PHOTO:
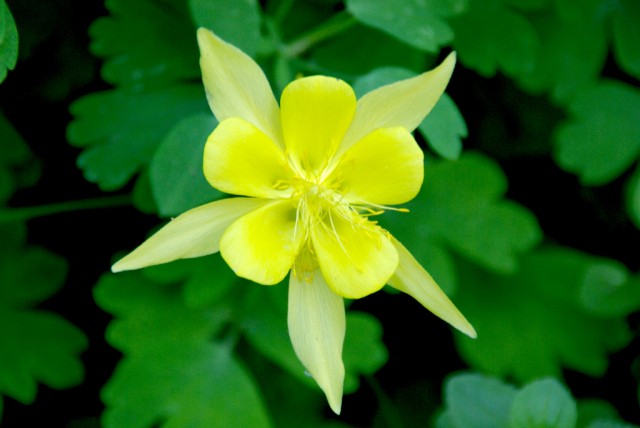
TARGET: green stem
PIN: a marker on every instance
(282, 10)
(334, 25)
(8, 215)
(387, 410)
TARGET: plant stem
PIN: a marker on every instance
(21, 214)
(334, 25)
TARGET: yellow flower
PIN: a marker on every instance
(313, 171)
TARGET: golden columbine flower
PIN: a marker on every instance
(312, 171)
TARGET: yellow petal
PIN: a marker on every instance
(385, 167)
(317, 327)
(355, 256)
(316, 112)
(236, 86)
(412, 279)
(240, 159)
(405, 103)
(194, 233)
(260, 245)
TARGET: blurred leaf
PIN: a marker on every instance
(442, 128)
(544, 403)
(632, 196)
(139, 49)
(8, 41)
(122, 129)
(37, 346)
(529, 5)
(602, 138)
(222, 17)
(195, 382)
(17, 166)
(592, 410)
(477, 401)
(609, 291)
(572, 53)
(461, 207)
(533, 323)
(360, 50)
(481, 43)
(201, 287)
(419, 23)
(265, 327)
(626, 36)
(141, 196)
(177, 179)
(364, 352)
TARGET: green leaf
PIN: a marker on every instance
(8, 41)
(477, 401)
(443, 127)
(632, 196)
(265, 327)
(196, 382)
(529, 5)
(481, 42)
(419, 23)
(361, 49)
(545, 403)
(602, 138)
(626, 36)
(461, 208)
(222, 17)
(532, 323)
(591, 410)
(177, 179)
(139, 49)
(121, 129)
(609, 291)
(37, 346)
(199, 290)
(572, 53)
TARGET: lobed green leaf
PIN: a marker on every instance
(121, 129)
(602, 137)
(536, 318)
(419, 23)
(626, 36)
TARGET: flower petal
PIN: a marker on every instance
(260, 246)
(405, 103)
(236, 86)
(194, 233)
(385, 167)
(412, 279)
(240, 159)
(317, 327)
(354, 255)
(316, 112)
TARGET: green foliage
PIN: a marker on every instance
(8, 41)
(265, 327)
(481, 43)
(461, 208)
(602, 139)
(443, 128)
(122, 129)
(418, 23)
(549, 325)
(176, 175)
(139, 50)
(37, 346)
(222, 17)
(196, 382)
(626, 36)
(477, 401)
(17, 165)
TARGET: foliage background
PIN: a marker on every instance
(532, 228)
